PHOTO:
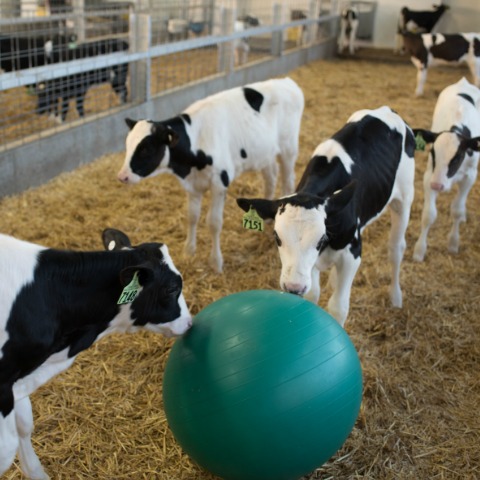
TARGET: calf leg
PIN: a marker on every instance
(339, 303)
(287, 158)
(400, 213)
(215, 222)
(270, 174)
(429, 214)
(421, 79)
(8, 430)
(193, 215)
(29, 462)
(458, 212)
(353, 36)
(313, 295)
(342, 36)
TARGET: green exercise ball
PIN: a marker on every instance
(265, 386)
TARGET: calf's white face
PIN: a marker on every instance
(446, 159)
(298, 233)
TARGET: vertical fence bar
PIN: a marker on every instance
(313, 12)
(79, 22)
(225, 49)
(140, 40)
(277, 37)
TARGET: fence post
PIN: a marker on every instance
(140, 39)
(79, 22)
(225, 49)
(313, 12)
(277, 37)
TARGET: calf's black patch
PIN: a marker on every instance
(253, 97)
(224, 178)
(243, 153)
(452, 48)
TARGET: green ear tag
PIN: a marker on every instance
(252, 220)
(130, 291)
(420, 142)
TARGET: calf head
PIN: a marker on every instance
(147, 150)
(159, 305)
(448, 151)
(304, 225)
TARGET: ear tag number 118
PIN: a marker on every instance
(252, 220)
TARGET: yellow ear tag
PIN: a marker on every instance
(130, 291)
(420, 142)
(252, 220)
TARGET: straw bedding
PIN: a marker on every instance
(103, 418)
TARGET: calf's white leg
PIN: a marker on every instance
(270, 174)
(400, 213)
(421, 79)
(287, 159)
(429, 214)
(346, 268)
(215, 222)
(29, 462)
(313, 295)
(194, 206)
(8, 441)
(458, 211)
(342, 36)
(353, 36)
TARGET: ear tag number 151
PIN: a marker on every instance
(252, 221)
(130, 291)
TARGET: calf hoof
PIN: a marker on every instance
(189, 249)
(453, 248)
(419, 253)
(216, 264)
(396, 297)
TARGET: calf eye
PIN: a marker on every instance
(172, 291)
(277, 238)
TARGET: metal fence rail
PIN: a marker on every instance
(103, 61)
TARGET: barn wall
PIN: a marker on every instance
(463, 16)
(36, 162)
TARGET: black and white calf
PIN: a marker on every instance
(350, 180)
(348, 29)
(76, 86)
(428, 50)
(54, 304)
(453, 158)
(215, 140)
(417, 21)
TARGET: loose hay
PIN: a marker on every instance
(103, 418)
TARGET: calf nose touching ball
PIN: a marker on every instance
(265, 386)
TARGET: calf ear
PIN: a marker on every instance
(115, 239)
(265, 208)
(471, 144)
(145, 275)
(341, 198)
(130, 123)
(423, 135)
